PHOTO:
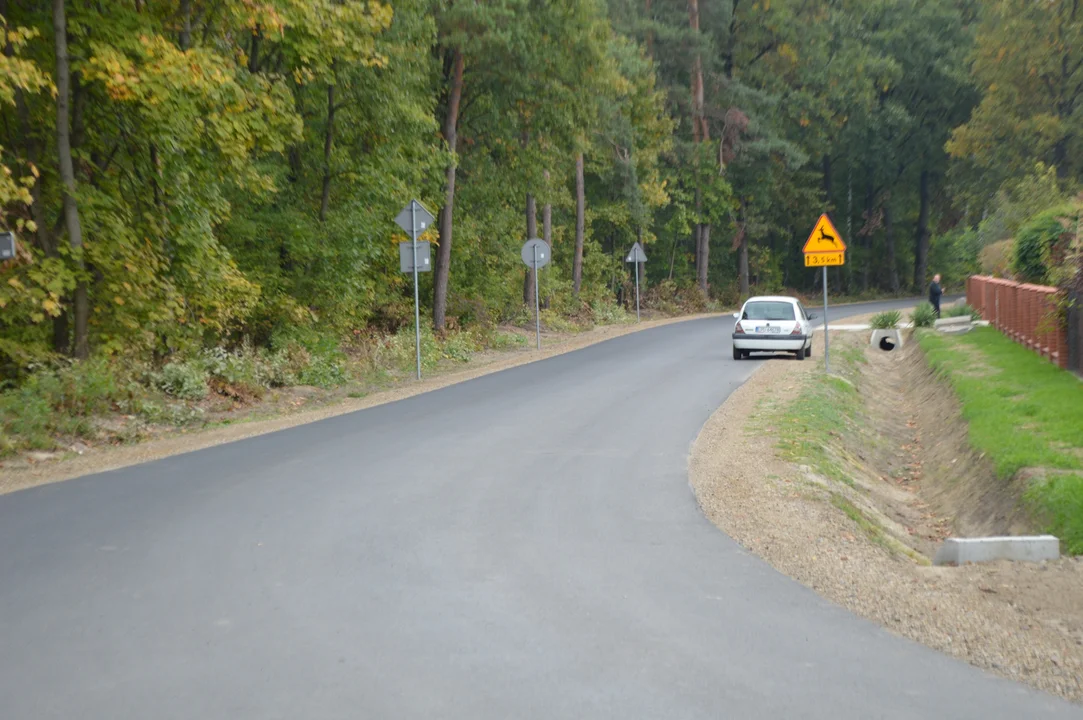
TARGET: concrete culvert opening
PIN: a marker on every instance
(887, 344)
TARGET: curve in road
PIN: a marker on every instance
(523, 545)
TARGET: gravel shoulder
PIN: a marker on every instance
(862, 538)
(23, 473)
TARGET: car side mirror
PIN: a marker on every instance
(812, 316)
(736, 316)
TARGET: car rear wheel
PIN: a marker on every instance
(737, 354)
(808, 350)
(801, 354)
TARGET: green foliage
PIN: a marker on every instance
(886, 320)
(610, 313)
(923, 316)
(186, 380)
(1032, 246)
(963, 310)
(56, 403)
(996, 259)
(955, 254)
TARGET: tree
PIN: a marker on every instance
(1029, 63)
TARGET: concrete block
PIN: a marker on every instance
(891, 339)
(961, 551)
(952, 321)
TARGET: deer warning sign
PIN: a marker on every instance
(824, 245)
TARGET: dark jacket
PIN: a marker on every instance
(934, 293)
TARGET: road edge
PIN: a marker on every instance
(122, 456)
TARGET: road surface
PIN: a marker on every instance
(524, 545)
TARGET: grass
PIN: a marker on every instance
(1022, 412)
(826, 405)
(866, 526)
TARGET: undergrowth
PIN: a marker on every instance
(115, 399)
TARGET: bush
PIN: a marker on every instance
(885, 320)
(672, 299)
(996, 259)
(609, 313)
(555, 322)
(186, 380)
(1032, 247)
(962, 311)
(923, 316)
(460, 346)
(500, 340)
(955, 254)
(59, 401)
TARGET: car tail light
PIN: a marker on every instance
(738, 329)
(796, 329)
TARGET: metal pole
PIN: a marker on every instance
(417, 302)
(537, 302)
(827, 361)
(637, 290)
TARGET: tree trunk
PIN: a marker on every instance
(889, 240)
(67, 176)
(253, 50)
(328, 145)
(866, 241)
(1060, 158)
(580, 224)
(742, 266)
(650, 33)
(547, 217)
(700, 135)
(705, 257)
(642, 266)
(531, 234)
(742, 258)
(443, 252)
(921, 237)
(186, 27)
(827, 182)
(699, 120)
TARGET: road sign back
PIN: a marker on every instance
(636, 254)
(824, 238)
(424, 256)
(7, 245)
(414, 218)
(535, 251)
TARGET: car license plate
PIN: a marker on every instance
(768, 330)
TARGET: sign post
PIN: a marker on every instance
(636, 256)
(535, 255)
(414, 219)
(825, 248)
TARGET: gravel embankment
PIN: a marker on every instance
(1021, 621)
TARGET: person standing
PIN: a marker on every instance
(935, 291)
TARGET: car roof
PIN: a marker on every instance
(773, 298)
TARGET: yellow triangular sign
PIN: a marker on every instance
(824, 238)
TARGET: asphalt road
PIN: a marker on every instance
(523, 545)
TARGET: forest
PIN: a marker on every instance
(189, 176)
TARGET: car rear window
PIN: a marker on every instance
(769, 311)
